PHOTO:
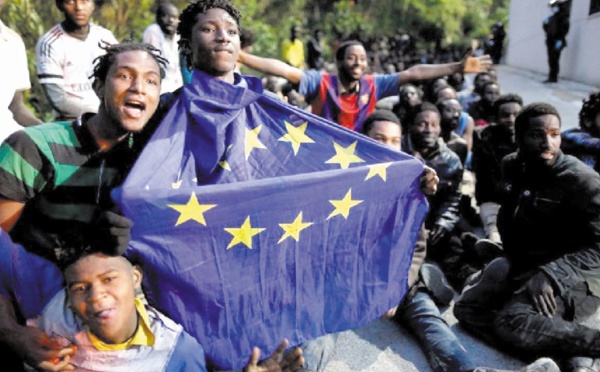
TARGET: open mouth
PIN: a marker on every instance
(134, 108)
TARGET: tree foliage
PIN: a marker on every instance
(442, 21)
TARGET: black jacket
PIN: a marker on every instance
(444, 205)
(550, 221)
(494, 144)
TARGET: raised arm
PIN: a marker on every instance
(271, 66)
(432, 71)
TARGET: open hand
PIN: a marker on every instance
(42, 352)
(476, 64)
(276, 362)
(541, 293)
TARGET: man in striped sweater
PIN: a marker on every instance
(56, 178)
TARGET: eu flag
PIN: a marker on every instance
(255, 221)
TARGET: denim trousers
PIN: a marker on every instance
(420, 315)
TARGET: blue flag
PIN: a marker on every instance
(255, 221)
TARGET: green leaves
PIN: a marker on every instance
(450, 21)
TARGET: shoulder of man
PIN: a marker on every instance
(104, 32)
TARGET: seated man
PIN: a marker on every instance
(428, 289)
(482, 111)
(349, 97)
(98, 318)
(48, 200)
(532, 301)
(99, 313)
(457, 128)
(409, 96)
(444, 241)
(584, 142)
(495, 142)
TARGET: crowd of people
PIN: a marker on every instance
(512, 234)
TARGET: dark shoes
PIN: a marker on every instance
(582, 364)
(487, 250)
(441, 292)
(486, 280)
(550, 81)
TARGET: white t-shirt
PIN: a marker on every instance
(68, 62)
(169, 49)
(14, 76)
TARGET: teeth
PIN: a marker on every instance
(135, 105)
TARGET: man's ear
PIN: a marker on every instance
(137, 276)
(99, 89)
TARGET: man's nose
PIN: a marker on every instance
(222, 36)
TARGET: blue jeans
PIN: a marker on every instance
(444, 351)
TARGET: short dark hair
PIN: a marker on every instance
(590, 108)
(479, 75)
(424, 106)
(379, 115)
(441, 103)
(403, 87)
(162, 8)
(247, 37)
(187, 18)
(438, 90)
(340, 54)
(69, 255)
(487, 84)
(103, 63)
(72, 255)
(531, 111)
(507, 98)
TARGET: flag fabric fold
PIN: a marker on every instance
(255, 221)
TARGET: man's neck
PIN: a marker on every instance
(348, 85)
(106, 134)
(75, 30)
(228, 77)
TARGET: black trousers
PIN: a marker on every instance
(553, 59)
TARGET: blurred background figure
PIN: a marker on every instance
(163, 36)
(292, 49)
(314, 57)
(556, 27)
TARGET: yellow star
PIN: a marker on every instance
(252, 141)
(293, 229)
(296, 136)
(344, 156)
(223, 163)
(243, 234)
(343, 206)
(378, 170)
(192, 210)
